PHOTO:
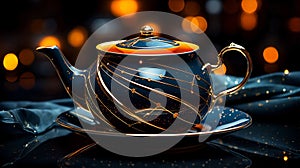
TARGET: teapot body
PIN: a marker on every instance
(144, 93)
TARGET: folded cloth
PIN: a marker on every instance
(26, 117)
(272, 96)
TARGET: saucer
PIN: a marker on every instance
(220, 121)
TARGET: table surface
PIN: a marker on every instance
(228, 151)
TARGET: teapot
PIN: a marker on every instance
(145, 82)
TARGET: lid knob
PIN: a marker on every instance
(147, 30)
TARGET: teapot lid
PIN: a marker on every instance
(147, 40)
(147, 43)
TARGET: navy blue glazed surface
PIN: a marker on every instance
(151, 75)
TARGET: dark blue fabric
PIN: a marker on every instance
(275, 95)
(25, 117)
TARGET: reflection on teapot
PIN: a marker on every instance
(145, 83)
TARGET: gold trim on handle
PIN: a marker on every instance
(245, 53)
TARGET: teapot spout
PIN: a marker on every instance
(65, 70)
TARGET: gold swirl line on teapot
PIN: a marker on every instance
(195, 109)
(123, 108)
(91, 104)
(183, 81)
(192, 84)
(206, 103)
(165, 66)
(129, 112)
(163, 83)
(195, 75)
(103, 118)
(145, 87)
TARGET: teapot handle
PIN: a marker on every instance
(245, 53)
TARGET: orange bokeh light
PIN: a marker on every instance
(221, 70)
(11, 78)
(270, 54)
(249, 6)
(248, 21)
(176, 5)
(49, 41)
(197, 24)
(77, 36)
(26, 57)
(10, 61)
(186, 24)
(123, 7)
(294, 24)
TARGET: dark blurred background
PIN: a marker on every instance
(268, 29)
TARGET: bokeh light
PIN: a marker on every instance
(286, 71)
(11, 78)
(176, 5)
(27, 80)
(213, 6)
(123, 7)
(186, 24)
(49, 41)
(77, 36)
(10, 61)
(221, 70)
(26, 56)
(248, 21)
(197, 24)
(270, 54)
(294, 24)
(249, 6)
